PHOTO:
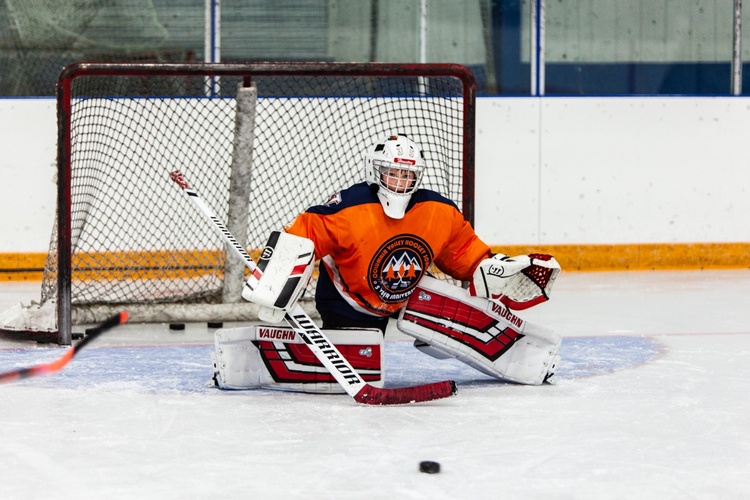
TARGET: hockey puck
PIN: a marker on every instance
(429, 467)
(177, 326)
(76, 335)
(215, 324)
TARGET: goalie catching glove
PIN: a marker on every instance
(287, 265)
(518, 282)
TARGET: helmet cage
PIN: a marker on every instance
(400, 178)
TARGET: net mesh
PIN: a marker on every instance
(135, 239)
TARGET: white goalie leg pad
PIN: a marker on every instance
(481, 333)
(274, 357)
(236, 360)
(287, 265)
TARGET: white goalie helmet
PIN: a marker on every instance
(396, 166)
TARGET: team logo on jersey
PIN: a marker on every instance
(334, 199)
(397, 266)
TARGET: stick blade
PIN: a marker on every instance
(371, 395)
(59, 364)
(111, 322)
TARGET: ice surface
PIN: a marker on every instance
(650, 403)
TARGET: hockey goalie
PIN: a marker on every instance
(375, 241)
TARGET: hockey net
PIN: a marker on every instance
(260, 142)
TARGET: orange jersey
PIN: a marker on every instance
(372, 263)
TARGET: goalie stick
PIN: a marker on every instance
(322, 348)
(59, 364)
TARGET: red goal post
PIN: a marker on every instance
(261, 141)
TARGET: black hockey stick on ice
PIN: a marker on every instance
(322, 348)
(59, 364)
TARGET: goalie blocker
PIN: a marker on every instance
(287, 265)
(448, 322)
(275, 357)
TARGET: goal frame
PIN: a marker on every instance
(246, 71)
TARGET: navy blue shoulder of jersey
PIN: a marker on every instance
(425, 195)
(362, 193)
(357, 194)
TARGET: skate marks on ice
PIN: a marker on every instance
(187, 368)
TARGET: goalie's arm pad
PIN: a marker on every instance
(286, 264)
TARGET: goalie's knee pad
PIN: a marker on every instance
(287, 265)
(479, 332)
(270, 357)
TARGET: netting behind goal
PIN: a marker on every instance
(259, 142)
